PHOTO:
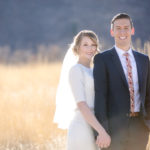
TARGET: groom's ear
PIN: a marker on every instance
(132, 31)
(112, 32)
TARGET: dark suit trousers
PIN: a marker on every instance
(134, 137)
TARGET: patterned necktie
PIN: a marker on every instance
(130, 81)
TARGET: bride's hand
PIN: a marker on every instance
(103, 140)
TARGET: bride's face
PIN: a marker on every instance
(87, 48)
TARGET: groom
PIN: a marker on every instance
(122, 90)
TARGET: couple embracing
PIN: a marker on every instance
(106, 106)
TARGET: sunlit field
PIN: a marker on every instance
(27, 105)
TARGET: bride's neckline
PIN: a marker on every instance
(84, 66)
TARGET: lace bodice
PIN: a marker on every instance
(82, 84)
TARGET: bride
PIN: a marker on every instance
(75, 96)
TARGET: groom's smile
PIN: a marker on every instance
(123, 38)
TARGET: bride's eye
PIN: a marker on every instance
(85, 45)
(93, 45)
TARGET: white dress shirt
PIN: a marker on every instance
(120, 52)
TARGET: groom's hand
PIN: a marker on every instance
(103, 140)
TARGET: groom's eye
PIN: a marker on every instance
(126, 28)
(118, 28)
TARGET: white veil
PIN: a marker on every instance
(65, 103)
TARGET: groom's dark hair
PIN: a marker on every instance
(121, 16)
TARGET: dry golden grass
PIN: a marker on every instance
(27, 105)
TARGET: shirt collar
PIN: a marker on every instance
(120, 52)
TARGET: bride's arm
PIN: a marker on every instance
(103, 138)
(76, 81)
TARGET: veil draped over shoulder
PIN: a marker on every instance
(65, 103)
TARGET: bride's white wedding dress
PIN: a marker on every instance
(80, 133)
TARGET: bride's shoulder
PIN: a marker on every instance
(75, 67)
(75, 70)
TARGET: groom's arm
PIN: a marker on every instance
(101, 89)
(147, 100)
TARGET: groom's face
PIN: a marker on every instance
(122, 32)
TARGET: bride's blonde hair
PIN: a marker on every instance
(77, 40)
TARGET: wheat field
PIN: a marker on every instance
(27, 105)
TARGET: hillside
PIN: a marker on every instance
(29, 23)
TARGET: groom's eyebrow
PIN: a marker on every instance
(118, 26)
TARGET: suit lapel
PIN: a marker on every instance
(117, 63)
(139, 68)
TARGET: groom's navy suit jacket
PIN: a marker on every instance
(112, 98)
